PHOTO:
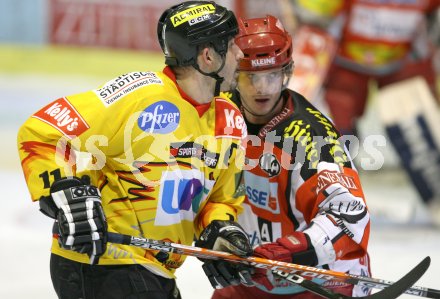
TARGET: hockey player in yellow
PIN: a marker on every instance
(165, 155)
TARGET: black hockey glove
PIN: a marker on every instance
(226, 236)
(80, 219)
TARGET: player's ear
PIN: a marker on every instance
(207, 57)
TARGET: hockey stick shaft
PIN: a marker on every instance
(304, 271)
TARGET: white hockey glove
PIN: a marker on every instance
(80, 221)
(226, 236)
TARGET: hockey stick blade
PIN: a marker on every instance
(304, 271)
(392, 291)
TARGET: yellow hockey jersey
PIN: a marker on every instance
(165, 165)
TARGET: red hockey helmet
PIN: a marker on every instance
(265, 44)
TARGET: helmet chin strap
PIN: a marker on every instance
(218, 80)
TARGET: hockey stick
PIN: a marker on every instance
(291, 271)
(394, 290)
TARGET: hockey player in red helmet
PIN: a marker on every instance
(304, 201)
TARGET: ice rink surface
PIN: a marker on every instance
(401, 235)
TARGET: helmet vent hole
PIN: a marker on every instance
(262, 54)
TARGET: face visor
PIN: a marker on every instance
(268, 82)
